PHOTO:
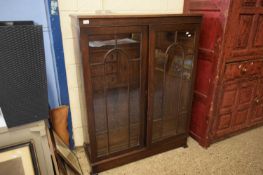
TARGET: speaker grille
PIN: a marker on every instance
(23, 84)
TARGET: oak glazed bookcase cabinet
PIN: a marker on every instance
(139, 73)
(229, 90)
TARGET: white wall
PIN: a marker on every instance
(71, 50)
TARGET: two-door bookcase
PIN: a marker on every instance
(139, 72)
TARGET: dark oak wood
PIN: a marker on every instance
(227, 97)
(139, 73)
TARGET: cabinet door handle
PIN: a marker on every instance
(243, 70)
(257, 100)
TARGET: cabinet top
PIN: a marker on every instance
(118, 15)
(89, 20)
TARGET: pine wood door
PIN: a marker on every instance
(235, 104)
(245, 39)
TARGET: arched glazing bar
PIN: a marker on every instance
(179, 69)
(115, 51)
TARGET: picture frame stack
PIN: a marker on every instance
(67, 160)
(19, 159)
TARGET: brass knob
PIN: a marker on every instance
(243, 70)
(257, 100)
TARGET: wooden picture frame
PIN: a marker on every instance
(68, 156)
(19, 159)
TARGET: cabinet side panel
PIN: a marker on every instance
(212, 29)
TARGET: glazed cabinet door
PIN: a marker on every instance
(171, 65)
(114, 60)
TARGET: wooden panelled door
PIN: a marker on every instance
(116, 83)
(246, 42)
(236, 102)
(172, 49)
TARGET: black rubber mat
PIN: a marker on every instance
(23, 83)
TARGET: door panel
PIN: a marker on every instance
(171, 64)
(227, 105)
(247, 41)
(235, 106)
(117, 72)
(257, 110)
(245, 103)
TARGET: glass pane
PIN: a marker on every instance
(187, 41)
(172, 83)
(115, 63)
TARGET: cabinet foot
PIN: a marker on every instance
(185, 146)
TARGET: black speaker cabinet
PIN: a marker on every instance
(23, 83)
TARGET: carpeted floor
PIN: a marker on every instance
(238, 155)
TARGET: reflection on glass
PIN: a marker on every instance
(172, 75)
(115, 63)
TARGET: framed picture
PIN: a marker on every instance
(68, 156)
(19, 160)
